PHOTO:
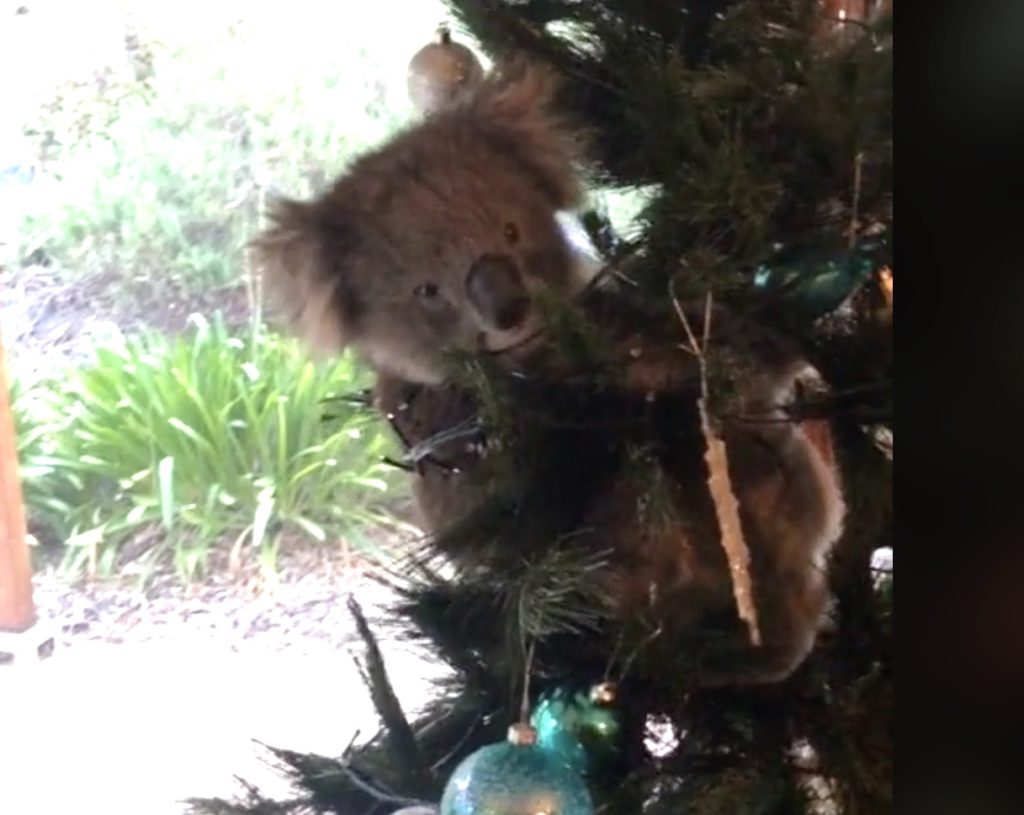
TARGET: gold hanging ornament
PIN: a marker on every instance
(441, 72)
(840, 21)
(604, 693)
(885, 279)
(727, 506)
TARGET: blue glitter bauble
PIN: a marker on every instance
(511, 779)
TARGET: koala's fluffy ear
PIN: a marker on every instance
(299, 256)
(513, 106)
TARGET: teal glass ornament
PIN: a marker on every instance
(582, 729)
(515, 777)
(817, 282)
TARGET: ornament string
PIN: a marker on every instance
(619, 639)
(858, 168)
(524, 706)
(458, 745)
(628, 662)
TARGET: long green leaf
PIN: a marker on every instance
(165, 479)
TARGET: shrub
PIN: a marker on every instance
(179, 445)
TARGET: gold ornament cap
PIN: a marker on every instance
(522, 735)
(604, 693)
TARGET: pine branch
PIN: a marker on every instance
(562, 592)
(400, 736)
(742, 128)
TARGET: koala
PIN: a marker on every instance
(443, 239)
(435, 242)
(790, 499)
(783, 474)
(437, 239)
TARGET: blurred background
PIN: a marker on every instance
(198, 501)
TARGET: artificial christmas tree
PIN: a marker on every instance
(766, 149)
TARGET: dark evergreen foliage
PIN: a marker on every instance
(763, 137)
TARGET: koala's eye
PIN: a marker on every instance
(428, 291)
(511, 233)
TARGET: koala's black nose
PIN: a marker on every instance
(497, 292)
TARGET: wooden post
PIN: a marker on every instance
(17, 609)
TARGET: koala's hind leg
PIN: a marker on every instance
(789, 625)
(792, 509)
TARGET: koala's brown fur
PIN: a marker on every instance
(783, 474)
(790, 501)
(436, 241)
(379, 262)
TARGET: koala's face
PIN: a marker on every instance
(450, 262)
(437, 240)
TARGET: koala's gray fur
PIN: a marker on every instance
(482, 178)
(434, 241)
